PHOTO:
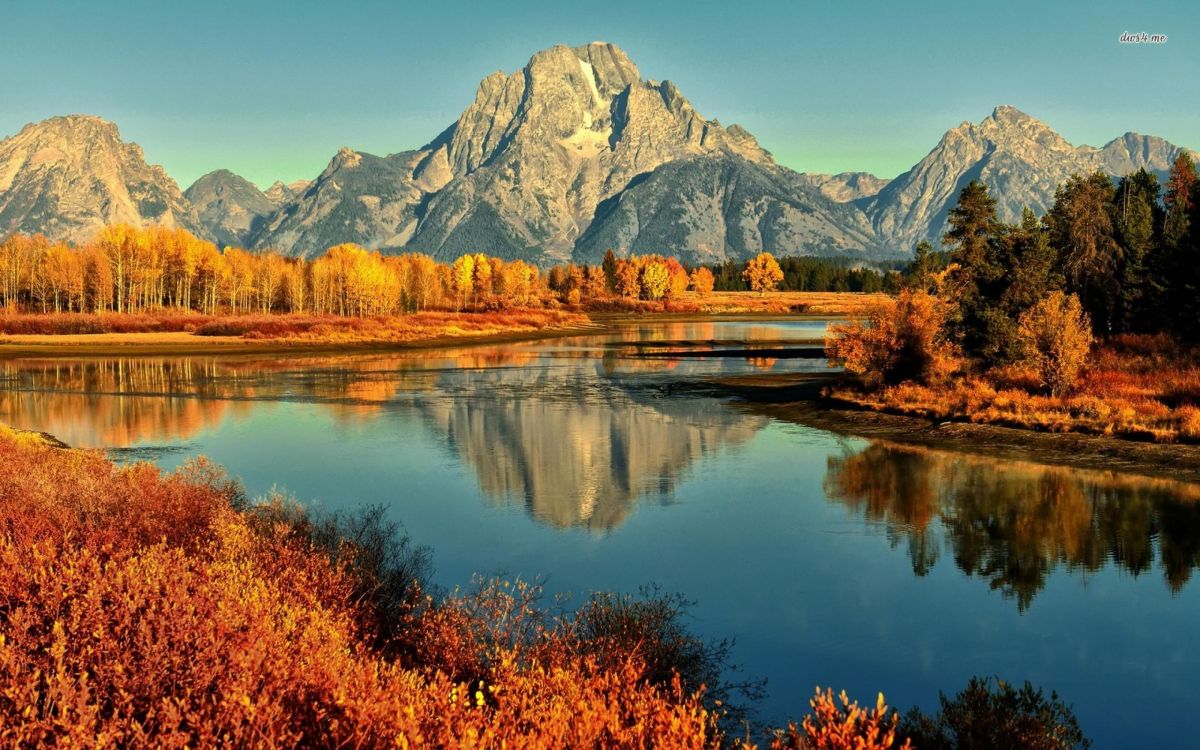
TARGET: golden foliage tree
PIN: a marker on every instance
(1056, 336)
(702, 281)
(627, 282)
(656, 279)
(763, 273)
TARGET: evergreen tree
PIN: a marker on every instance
(971, 237)
(610, 269)
(1181, 245)
(919, 274)
(1137, 219)
(1180, 202)
(1082, 230)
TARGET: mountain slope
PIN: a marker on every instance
(845, 187)
(229, 207)
(711, 209)
(68, 176)
(1021, 160)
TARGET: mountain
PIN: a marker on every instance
(229, 207)
(1021, 160)
(279, 193)
(572, 155)
(709, 209)
(846, 186)
(68, 176)
(527, 166)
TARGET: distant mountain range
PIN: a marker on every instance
(561, 160)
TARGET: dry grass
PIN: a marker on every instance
(405, 328)
(183, 330)
(773, 303)
(140, 609)
(815, 303)
(66, 324)
(1137, 387)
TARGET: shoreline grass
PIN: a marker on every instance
(1135, 387)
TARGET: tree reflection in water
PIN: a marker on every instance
(1012, 523)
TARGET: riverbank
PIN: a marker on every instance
(292, 334)
(799, 399)
(67, 335)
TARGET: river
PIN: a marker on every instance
(590, 463)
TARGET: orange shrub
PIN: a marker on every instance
(899, 340)
(84, 323)
(1056, 336)
(143, 609)
(844, 727)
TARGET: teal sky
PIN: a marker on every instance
(272, 90)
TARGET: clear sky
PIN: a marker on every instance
(272, 90)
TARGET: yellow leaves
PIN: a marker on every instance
(762, 273)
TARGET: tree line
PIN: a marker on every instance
(128, 269)
(1128, 257)
(817, 274)
(1107, 258)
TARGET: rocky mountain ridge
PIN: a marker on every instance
(569, 156)
(68, 176)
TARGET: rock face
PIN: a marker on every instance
(1021, 160)
(279, 193)
(708, 209)
(68, 176)
(846, 186)
(529, 163)
(230, 207)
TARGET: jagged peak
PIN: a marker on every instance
(1011, 113)
(76, 123)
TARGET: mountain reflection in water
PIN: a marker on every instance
(576, 433)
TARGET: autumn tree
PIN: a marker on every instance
(17, 254)
(702, 281)
(762, 273)
(1057, 337)
(628, 282)
(655, 279)
(677, 279)
(595, 283)
(899, 340)
(462, 277)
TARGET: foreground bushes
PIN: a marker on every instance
(993, 715)
(146, 610)
(143, 609)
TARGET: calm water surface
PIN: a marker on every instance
(590, 464)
